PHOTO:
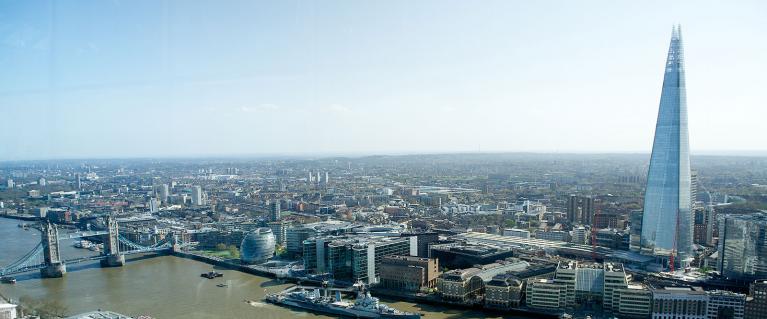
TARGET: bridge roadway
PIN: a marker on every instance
(83, 259)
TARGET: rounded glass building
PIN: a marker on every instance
(257, 246)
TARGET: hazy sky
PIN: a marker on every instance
(179, 78)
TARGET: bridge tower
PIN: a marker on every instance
(112, 246)
(54, 266)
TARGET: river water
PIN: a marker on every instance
(161, 286)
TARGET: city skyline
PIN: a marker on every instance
(304, 79)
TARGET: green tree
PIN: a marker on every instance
(233, 251)
(221, 247)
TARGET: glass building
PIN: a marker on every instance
(257, 246)
(743, 246)
(667, 217)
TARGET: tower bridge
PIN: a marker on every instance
(46, 256)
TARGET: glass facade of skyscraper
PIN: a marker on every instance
(667, 218)
(743, 246)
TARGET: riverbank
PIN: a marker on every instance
(394, 295)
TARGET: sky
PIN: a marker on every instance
(107, 79)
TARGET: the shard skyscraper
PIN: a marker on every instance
(667, 218)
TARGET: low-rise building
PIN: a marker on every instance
(756, 304)
(504, 291)
(633, 301)
(545, 293)
(679, 303)
(725, 305)
(408, 273)
(467, 286)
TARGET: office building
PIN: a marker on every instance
(725, 305)
(756, 303)
(633, 301)
(408, 273)
(679, 303)
(580, 209)
(9, 183)
(742, 246)
(41, 182)
(667, 218)
(351, 258)
(614, 279)
(420, 241)
(546, 294)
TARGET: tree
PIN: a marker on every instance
(234, 252)
(221, 247)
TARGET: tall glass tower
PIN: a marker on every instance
(667, 217)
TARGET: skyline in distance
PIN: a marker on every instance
(162, 79)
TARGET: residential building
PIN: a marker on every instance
(197, 195)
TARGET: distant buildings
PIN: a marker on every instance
(580, 210)
(274, 211)
(196, 195)
(667, 218)
(279, 229)
(521, 233)
(742, 246)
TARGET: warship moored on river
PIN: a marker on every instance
(365, 306)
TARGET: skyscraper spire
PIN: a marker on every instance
(667, 217)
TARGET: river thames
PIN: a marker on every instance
(161, 287)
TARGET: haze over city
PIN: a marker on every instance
(168, 79)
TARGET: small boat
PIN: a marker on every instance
(222, 285)
(211, 274)
(8, 280)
